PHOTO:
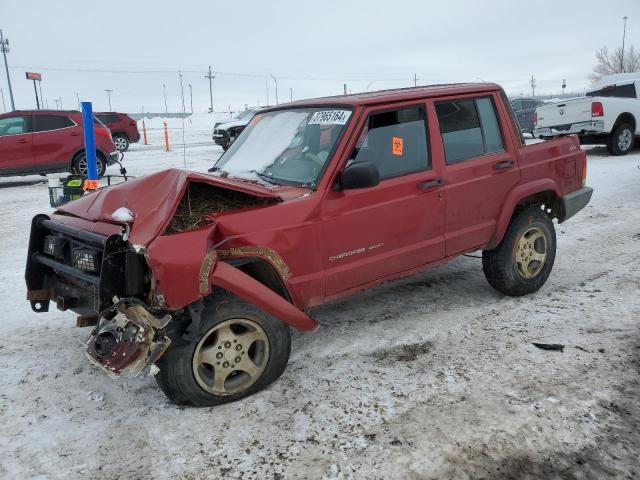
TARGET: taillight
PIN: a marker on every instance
(596, 109)
(133, 123)
(535, 118)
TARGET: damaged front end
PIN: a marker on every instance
(127, 339)
(106, 281)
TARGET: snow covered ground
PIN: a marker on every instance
(433, 376)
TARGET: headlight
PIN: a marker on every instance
(88, 260)
(54, 245)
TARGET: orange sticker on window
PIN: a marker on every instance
(396, 146)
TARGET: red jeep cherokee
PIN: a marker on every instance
(203, 275)
(49, 141)
(124, 129)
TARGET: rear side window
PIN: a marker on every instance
(469, 128)
(395, 141)
(46, 123)
(108, 118)
(622, 91)
(517, 105)
(15, 125)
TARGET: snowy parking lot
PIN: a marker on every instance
(433, 376)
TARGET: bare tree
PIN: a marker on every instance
(615, 62)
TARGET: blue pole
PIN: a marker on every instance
(89, 140)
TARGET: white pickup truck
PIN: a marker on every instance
(608, 114)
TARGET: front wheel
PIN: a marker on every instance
(620, 141)
(523, 261)
(79, 166)
(239, 350)
(121, 142)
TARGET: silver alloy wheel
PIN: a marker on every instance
(231, 356)
(83, 169)
(624, 139)
(531, 252)
(120, 143)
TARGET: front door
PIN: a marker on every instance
(16, 145)
(372, 233)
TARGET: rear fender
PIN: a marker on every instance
(511, 202)
(242, 285)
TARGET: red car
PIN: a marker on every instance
(49, 141)
(124, 129)
(203, 275)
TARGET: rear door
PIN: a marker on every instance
(16, 145)
(372, 233)
(56, 138)
(481, 167)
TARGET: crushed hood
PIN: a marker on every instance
(153, 199)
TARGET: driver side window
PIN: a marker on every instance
(395, 141)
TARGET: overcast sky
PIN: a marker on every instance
(310, 47)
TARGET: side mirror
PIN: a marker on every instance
(359, 175)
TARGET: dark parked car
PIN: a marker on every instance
(124, 129)
(224, 133)
(524, 109)
(49, 141)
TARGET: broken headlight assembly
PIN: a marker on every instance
(84, 259)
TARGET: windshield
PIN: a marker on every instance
(285, 147)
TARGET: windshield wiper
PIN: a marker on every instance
(265, 177)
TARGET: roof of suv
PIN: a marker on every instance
(395, 95)
(42, 111)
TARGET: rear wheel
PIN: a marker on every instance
(239, 350)
(523, 261)
(620, 141)
(79, 166)
(121, 142)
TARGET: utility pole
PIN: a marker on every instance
(108, 90)
(532, 82)
(564, 85)
(275, 80)
(191, 97)
(78, 98)
(4, 46)
(345, 88)
(624, 34)
(60, 100)
(181, 91)
(266, 82)
(210, 77)
(57, 106)
(4, 107)
(415, 79)
(290, 94)
(164, 91)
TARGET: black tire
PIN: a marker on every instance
(177, 377)
(621, 139)
(121, 142)
(79, 168)
(501, 266)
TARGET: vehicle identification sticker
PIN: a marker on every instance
(330, 117)
(397, 144)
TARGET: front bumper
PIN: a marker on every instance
(115, 157)
(593, 127)
(573, 202)
(53, 276)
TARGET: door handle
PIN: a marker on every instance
(426, 185)
(503, 165)
(24, 140)
(75, 134)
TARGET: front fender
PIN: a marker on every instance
(242, 285)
